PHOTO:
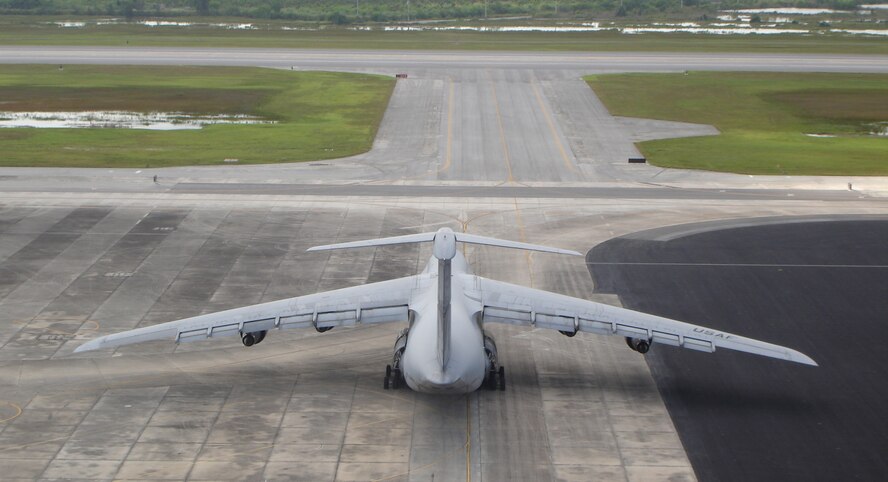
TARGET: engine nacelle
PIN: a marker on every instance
(254, 338)
(641, 345)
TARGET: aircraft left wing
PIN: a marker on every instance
(385, 301)
(513, 304)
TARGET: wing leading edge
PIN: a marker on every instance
(513, 304)
(382, 302)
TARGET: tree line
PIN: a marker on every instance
(347, 11)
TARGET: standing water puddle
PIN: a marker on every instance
(159, 121)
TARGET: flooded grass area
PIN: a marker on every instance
(115, 119)
(128, 116)
(858, 34)
(136, 98)
(770, 123)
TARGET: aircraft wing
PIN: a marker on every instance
(513, 304)
(382, 302)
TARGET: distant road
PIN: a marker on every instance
(376, 60)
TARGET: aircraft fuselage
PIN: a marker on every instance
(467, 364)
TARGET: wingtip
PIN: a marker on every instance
(811, 362)
(88, 346)
(800, 357)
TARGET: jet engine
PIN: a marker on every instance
(641, 345)
(250, 339)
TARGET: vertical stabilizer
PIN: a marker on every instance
(444, 285)
(444, 251)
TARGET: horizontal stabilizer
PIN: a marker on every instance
(430, 237)
(407, 239)
(474, 239)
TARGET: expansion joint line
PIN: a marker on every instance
(468, 438)
(502, 132)
(528, 255)
(448, 153)
(555, 137)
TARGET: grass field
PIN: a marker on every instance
(319, 115)
(763, 119)
(38, 31)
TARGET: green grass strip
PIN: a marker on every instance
(765, 120)
(320, 115)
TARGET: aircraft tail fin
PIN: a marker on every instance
(430, 237)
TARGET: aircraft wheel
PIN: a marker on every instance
(490, 381)
(388, 377)
(502, 378)
(396, 378)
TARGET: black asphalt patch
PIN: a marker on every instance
(819, 287)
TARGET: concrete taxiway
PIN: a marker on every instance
(306, 405)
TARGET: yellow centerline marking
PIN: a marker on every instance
(468, 439)
(18, 411)
(552, 129)
(502, 132)
(448, 156)
(41, 442)
(527, 254)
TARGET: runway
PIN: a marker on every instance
(373, 60)
(818, 287)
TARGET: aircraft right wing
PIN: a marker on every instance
(519, 305)
(385, 301)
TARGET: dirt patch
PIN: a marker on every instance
(853, 106)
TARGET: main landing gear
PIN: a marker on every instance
(496, 379)
(394, 379)
(496, 375)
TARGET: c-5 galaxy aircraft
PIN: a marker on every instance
(445, 348)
